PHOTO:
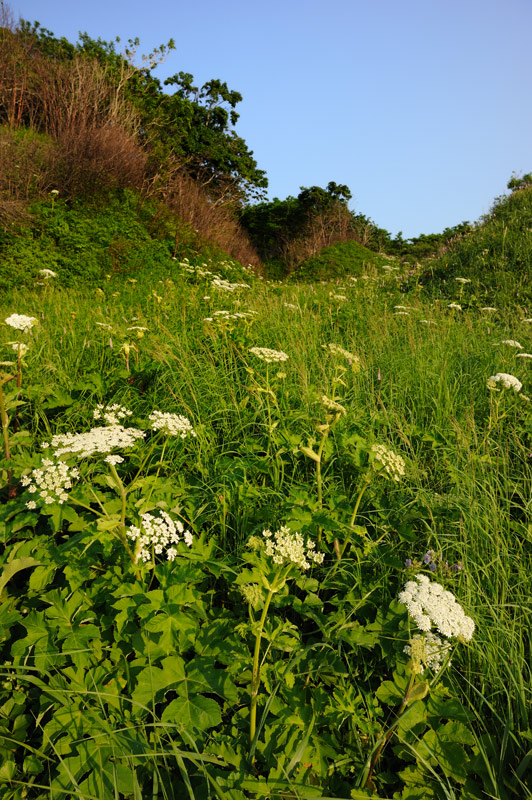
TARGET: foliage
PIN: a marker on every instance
(341, 260)
(497, 251)
(193, 125)
(216, 670)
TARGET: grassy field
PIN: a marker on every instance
(155, 643)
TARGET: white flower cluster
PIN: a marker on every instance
(428, 603)
(287, 547)
(97, 440)
(393, 465)
(427, 650)
(512, 343)
(508, 381)
(171, 424)
(270, 356)
(456, 306)
(19, 347)
(223, 285)
(332, 405)
(224, 316)
(21, 322)
(463, 280)
(112, 414)
(50, 483)
(336, 350)
(48, 273)
(158, 535)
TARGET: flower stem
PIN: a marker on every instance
(385, 738)
(255, 675)
(354, 514)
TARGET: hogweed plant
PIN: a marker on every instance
(51, 484)
(430, 608)
(275, 558)
(268, 356)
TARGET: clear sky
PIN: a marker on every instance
(422, 107)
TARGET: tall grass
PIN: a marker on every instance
(421, 387)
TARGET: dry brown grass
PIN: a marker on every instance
(90, 142)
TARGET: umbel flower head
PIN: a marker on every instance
(97, 440)
(158, 536)
(506, 380)
(20, 322)
(171, 424)
(392, 465)
(50, 483)
(288, 547)
(267, 355)
(427, 650)
(336, 350)
(430, 605)
(112, 414)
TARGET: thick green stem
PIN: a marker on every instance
(5, 432)
(319, 477)
(354, 514)
(123, 496)
(255, 675)
(5, 419)
(385, 738)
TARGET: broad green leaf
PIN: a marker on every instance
(12, 567)
(193, 711)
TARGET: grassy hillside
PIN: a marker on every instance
(338, 261)
(137, 664)
(496, 254)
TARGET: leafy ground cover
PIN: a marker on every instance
(264, 540)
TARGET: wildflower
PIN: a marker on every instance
(463, 280)
(401, 314)
(332, 405)
(55, 192)
(290, 305)
(336, 350)
(112, 414)
(97, 440)
(508, 381)
(404, 308)
(113, 460)
(171, 424)
(457, 306)
(427, 650)
(428, 321)
(157, 535)
(104, 325)
(527, 320)
(488, 308)
(20, 348)
(339, 297)
(392, 464)
(269, 356)
(429, 604)
(21, 322)
(50, 483)
(48, 273)
(288, 547)
(512, 343)
(523, 355)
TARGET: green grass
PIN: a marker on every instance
(421, 390)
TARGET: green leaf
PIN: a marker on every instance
(418, 691)
(193, 711)
(308, 451)
(15, 566)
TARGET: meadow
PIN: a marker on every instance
(265, 540)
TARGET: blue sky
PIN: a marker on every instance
(422, 107)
